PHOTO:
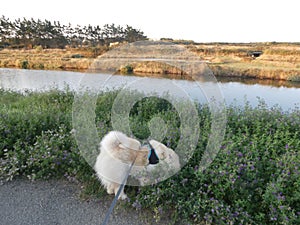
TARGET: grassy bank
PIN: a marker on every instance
(278, 61)
(253, 180)
(50, 59)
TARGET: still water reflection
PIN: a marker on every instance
(235, 91)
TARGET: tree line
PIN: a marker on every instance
(27, 33)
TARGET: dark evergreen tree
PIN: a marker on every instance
(28, 33)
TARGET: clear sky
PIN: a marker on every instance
(198, 20)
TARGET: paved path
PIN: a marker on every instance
(57, 203)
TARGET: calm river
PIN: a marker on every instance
(284, 94)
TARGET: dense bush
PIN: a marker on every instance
(253, 180)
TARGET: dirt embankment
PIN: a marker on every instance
(276, 61)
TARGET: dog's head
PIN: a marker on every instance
(167, 165)
(166, 155)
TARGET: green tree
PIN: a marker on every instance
(132, 35)
(29, 32)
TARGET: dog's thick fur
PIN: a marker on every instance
(168, 165)
(117, 152)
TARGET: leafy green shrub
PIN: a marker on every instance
(253, 180)
(143, 111)
(24, 64)
(53, 154)
(77, 56)
(294, 78)
(23, 118)
(127, 69)
(38, 48)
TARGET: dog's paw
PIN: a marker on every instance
(110, 191)
(123, 196)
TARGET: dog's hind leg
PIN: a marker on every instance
(122, 195)
(110, 189)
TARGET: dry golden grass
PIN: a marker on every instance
(279, 61)
(155, 67)
(52, 59)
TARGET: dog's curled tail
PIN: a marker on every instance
(116, 139)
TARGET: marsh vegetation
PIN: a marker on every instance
(253, 180)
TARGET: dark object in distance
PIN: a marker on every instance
(254, 54)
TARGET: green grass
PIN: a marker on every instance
(255, 178)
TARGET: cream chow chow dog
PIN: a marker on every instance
(152, 162)
(117, 152)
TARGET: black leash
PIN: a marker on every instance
(153, 159)
(117, 195)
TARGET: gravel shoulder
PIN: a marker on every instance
(57, 202)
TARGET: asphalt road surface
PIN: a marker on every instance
(53, 202)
